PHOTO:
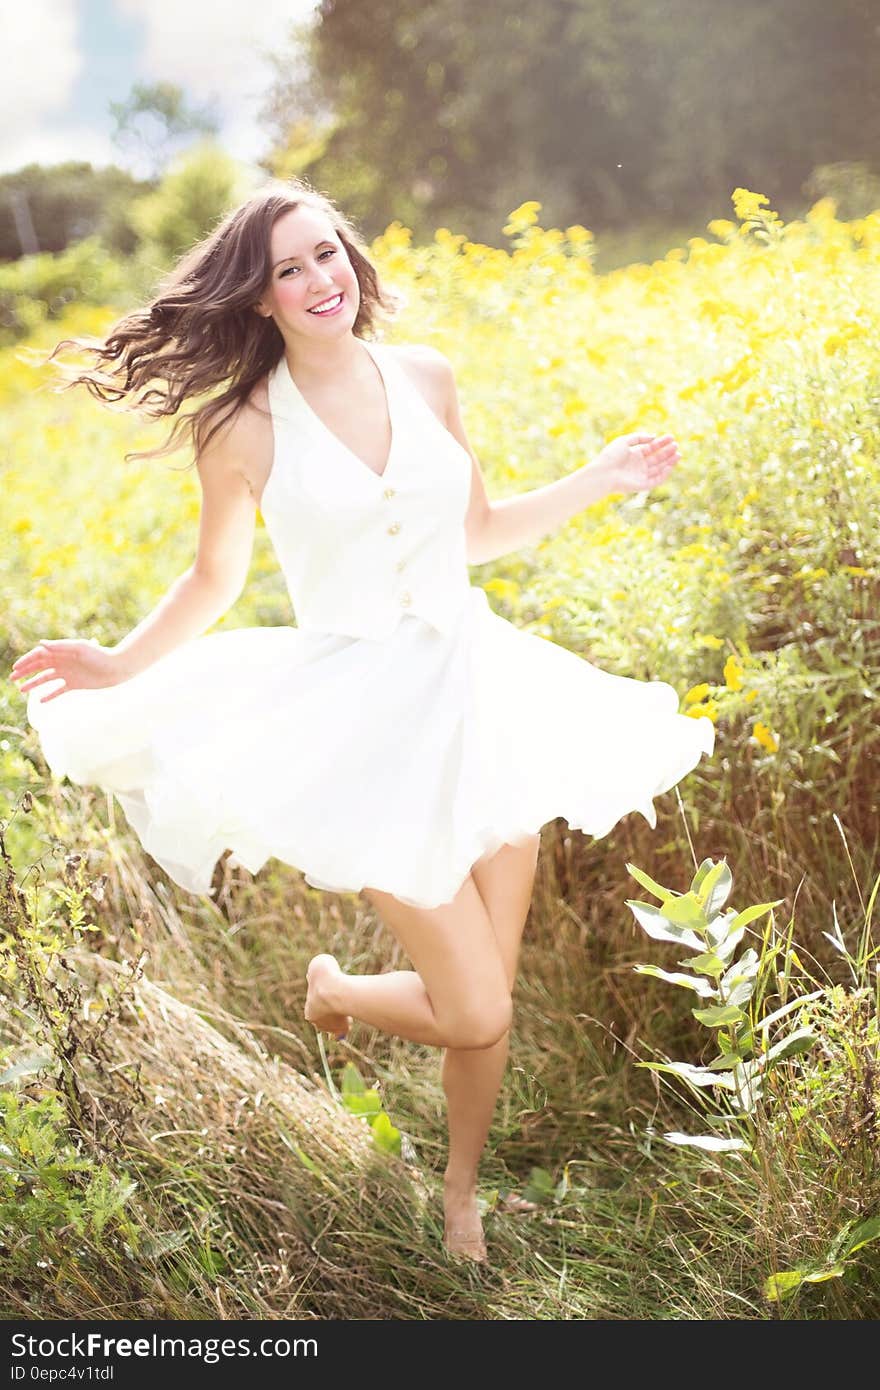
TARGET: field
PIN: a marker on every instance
(177, 1140)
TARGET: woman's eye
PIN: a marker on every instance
(330, 251)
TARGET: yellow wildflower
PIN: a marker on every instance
(733, 672)
(696, 692)
(764, 737)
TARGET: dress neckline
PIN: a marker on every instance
(313, 418)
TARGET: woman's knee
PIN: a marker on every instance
(482, 1025)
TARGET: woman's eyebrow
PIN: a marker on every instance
(297, 258)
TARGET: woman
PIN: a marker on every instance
(402, 740)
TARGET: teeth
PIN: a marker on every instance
(330, 304)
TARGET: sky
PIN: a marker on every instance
(63, 61)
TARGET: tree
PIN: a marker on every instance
(49, 207)
(155, 122)
(607, 111)
(198, 189)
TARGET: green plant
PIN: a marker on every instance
(359, 1099)
(732, 990)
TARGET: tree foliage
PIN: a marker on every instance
(608, 111)
(65, 203)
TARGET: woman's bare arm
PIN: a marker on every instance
(213, 582)
(496, 528)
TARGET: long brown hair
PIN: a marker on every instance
(200, 331)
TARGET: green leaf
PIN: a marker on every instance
(723, 936)
(715, 888)
(647, 882)
(801, 1040)
(741, 992)
(729, 1059)
(710, 1142)
(749, 914)
(706, 964)
(353, 1083)
(726, 948)
(35, 1061)
(867, 1231)
(699, 877)
(385, 1136)
(684, 911)
(743, 969)
(702, 987)
(540, 1186)
(787, 1282)
(748, 1088)
(697, 1076)
(821, 1276)
(657, 926)
(718, 1015)
(783, 1284)
(369, 1103)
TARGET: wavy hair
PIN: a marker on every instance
(200, 332)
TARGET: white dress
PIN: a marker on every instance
(403, 728)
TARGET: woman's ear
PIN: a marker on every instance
(264, 313)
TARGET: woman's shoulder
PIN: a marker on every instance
(243, 443)
(429, 370)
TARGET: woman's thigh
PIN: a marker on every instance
(455, 950)
(505, 881)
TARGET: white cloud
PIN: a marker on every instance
(57, 144)
(39, 64)
(218, 53)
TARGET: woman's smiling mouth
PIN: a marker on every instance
(327, 306)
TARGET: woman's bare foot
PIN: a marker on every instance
(512, 1202)
(322, 971)
(463, 1229)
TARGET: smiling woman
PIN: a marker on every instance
(403, 740)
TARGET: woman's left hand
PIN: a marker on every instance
(636, 462)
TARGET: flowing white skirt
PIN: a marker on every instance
(393, 764)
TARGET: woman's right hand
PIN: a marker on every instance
(81, 664)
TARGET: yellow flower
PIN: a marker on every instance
(709, 710)
(696, 692)
(720, 227)
(746, 204)
(578, 235)
(751, 696)
(764, 737)
(733, 672)
(526, 215)
(706, 639)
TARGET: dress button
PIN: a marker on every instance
(400, 564)
(389, 492)
(394, 528)
(406, 598)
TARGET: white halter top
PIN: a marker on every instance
(359, 549)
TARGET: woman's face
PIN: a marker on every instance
(309, 265)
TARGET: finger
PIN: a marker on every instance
(39, 679)
(28, 658)
(44, 699)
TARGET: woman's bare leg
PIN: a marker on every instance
(472, 1079)
(458, 993)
